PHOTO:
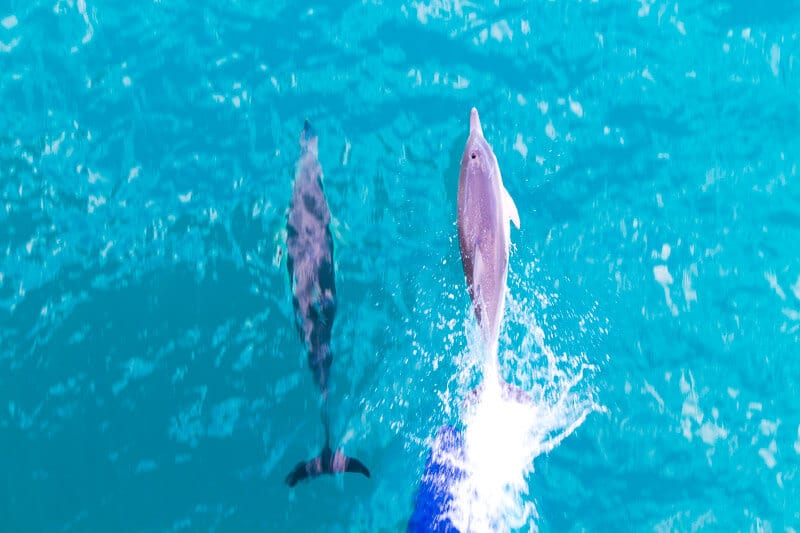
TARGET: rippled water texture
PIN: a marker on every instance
(150, 375)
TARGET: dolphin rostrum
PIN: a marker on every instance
(485, 211)
(311, 274)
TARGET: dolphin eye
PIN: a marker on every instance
(473, 155)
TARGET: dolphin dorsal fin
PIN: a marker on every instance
(510, 208)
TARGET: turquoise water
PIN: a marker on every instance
(150, 375)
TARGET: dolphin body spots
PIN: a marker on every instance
(485, 211)
(310, 262)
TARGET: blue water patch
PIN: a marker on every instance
(151, 377)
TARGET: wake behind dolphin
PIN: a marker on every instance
(485, 213)
(310, 262)
(444, 469)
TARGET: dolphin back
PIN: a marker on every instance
(311, 275)
(309, 259)
(485, 213)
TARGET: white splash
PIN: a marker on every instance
(504, 432)
(664, 278)
(550, 130)
(520, 146)
(576, 107)
(775, 58)
(89, 28)
(9, 22)
(499, 453)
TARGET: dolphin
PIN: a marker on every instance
(485, 213)
(311, 274)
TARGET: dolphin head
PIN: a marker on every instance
(308, 140)
(478, 156)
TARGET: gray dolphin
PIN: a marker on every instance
(485, 211)
(310, 262)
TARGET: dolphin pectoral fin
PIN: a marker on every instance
(510, 208)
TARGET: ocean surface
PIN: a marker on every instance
(151, 377)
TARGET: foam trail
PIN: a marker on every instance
(503, 436)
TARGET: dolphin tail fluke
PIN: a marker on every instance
(513, 392)
(508, 391)
(326, 462)
(356, 467)
(298, 473)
